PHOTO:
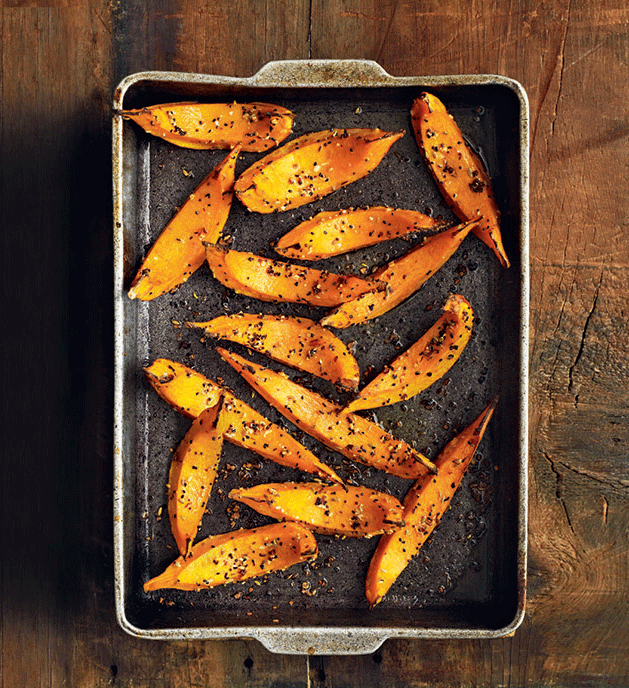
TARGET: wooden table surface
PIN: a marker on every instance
(61, 62)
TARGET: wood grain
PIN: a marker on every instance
(60, 64)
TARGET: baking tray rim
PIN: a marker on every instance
(316, 74)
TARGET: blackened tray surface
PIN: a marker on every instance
(466, 577)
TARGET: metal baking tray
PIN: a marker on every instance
(469, 580)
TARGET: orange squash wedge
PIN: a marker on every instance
(332, 233)
(312, 166)
(424, 362)
(190, 392)
(327, 509)
(457, 170)
(403, 277)
(424, 505)
(278, 281)
(179, 251)
(353, 436)
(297, 342)
(256, 127)
(192, 473)
(236, 556)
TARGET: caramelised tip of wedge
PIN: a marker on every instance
(327, 509)
(353, 436)
(311, 167)
(277, 281)
(237, 556)
(424, 505)
(457, 170)
(340, 231)
(192, 473)
(297, 342)
(423, 363)
(190, 392)
(403, 277)
(208, 126)
(179, 251)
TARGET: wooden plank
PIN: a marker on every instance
(49, 118)
(237, 38)
(229, 38)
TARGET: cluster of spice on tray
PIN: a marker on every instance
(305, 169)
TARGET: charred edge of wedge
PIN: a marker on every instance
(352, 511)
(247, 427)
(304, 345)
(166, 267)
(178, 494)
(436, 351)
(465, 443)
(229, 557)
(372, 305)
(398, 455)
(308, 184)
(289, 282)
(167, 121)
(331, 233)
(489, 231)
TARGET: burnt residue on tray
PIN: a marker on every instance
(466, 571)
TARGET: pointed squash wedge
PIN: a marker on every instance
(297, 342)
(190, 393)
(256, 127)
(353, 436)
(311, 167)
(192, 473)
(179, 251)
(403, 277)
(330, 234)
(237, 556)
(424, 362)
(457, 170)
(278, 281)
(326, 509)
(424, 505)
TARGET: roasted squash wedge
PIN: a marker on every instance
(179, 251)
(272, 280)
(190, 393)
(192, 473)
(353, 436)
(457, 170)
(256, 127)
(326, 509)
(311, 167)
(424, 505)
(237, 556)
(298, 342)
(424, 362)
(403, 277)
(330, 234)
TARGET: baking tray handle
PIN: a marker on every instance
(322, 73)
(328, 641)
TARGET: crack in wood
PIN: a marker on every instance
(310, 30)
(616, 485)
(562, 61)
(558, 489)
(586, 326)
(553, 337)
